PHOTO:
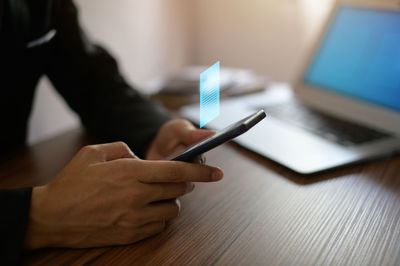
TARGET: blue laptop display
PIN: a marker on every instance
(360, 57)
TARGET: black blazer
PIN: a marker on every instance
(43, 37)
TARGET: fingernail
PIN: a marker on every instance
(216, 175)
(178, 202)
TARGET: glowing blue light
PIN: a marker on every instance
(209, 94)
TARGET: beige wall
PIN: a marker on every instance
(149, 37)
(269, 36)
(153, 38)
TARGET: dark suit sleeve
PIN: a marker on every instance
(14, 208)
(87, 76)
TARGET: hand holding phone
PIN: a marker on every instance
(219, 138)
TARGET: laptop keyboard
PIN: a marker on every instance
(339, 131)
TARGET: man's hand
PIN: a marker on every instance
(173, 137)
(106, 196)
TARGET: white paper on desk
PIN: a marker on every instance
(187, 81)
(231, 109)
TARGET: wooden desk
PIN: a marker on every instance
(260, 214)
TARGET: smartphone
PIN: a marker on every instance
(222, 136)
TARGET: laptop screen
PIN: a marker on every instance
(360, 57)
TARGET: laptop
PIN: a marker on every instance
(345, 106)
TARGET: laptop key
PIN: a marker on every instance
(342, 132)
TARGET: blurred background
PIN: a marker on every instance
(156, 38)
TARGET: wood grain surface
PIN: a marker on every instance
(260, 214)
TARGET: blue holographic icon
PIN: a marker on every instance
(209, 94)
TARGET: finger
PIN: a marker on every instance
(177, 172)
(148, 230)
(201, 159)
(200, 134)
(151, 172)
(107, 152)
(179, 149)
(167, 191)
(116, 150)
(196, 136)
(183, 130)
(163, 211)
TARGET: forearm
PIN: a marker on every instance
(88, 77)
